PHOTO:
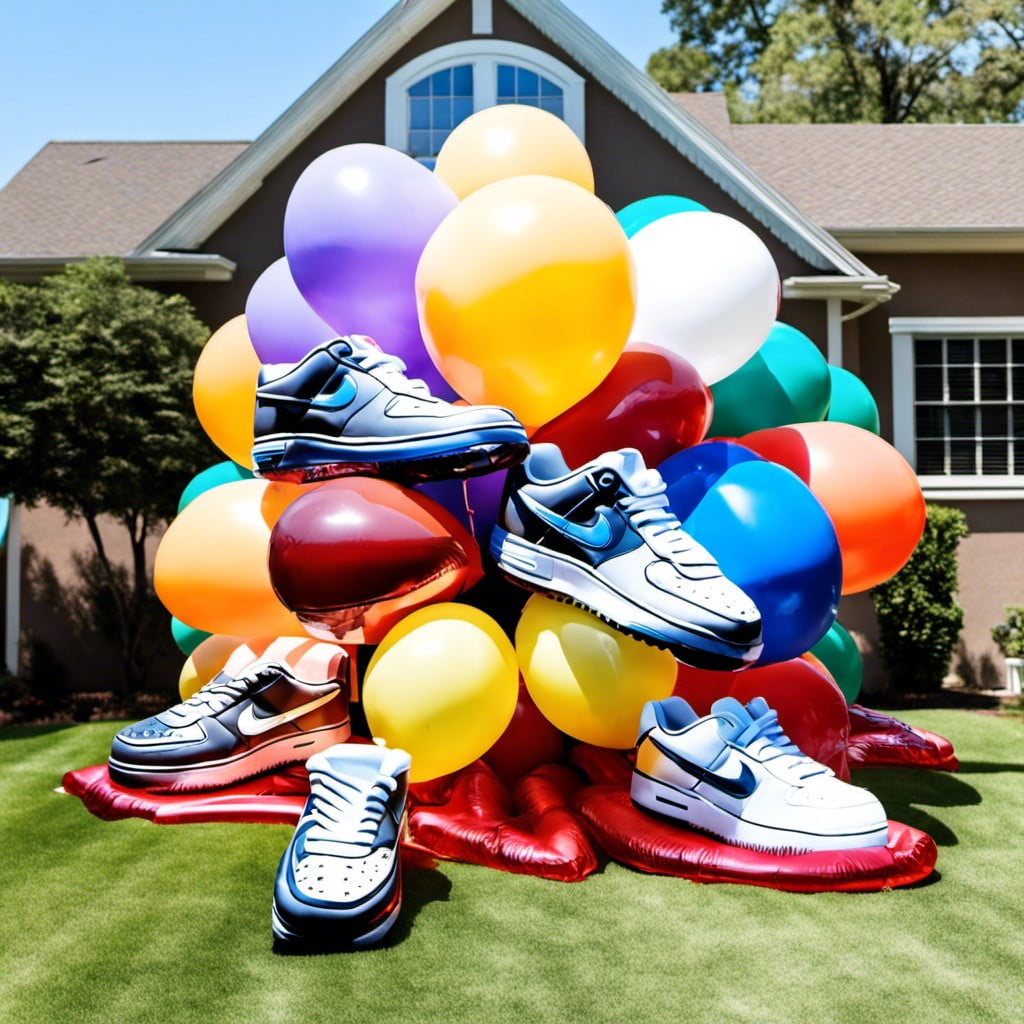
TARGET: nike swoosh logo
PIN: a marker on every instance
(594, 535)
(739, 787)
(342, 397)
(250, 725)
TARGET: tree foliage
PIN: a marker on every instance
(96, 415)
(850, 60)
(919, 619)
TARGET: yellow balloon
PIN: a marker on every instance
(211, 566)
(526, 294)
(587, 678)
(224, 390)
(443, 686)
(507, 141)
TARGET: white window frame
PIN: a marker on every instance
(904, 329)
(485, 55)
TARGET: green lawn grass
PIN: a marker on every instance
(132, 922)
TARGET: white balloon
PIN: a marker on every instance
(707, 289)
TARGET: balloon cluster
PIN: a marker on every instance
(501, 278)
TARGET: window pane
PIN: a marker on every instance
(927, 351)
(441, 82)
(961, 422)
(437, 139)
(962, 458)
(1017, 376)
(961, 383)
(548, 88)
(993, 383)
(930, 457)
(994, 421)
(552, 104)
(462, 107)
(995, 457)
(419, 113)
(930, 421)
(992, 350)
(462, 80)
(1018, 459)
(928, 384)
(1017, 350)
(527, 83)
(441, 111)
(421, 88)
(419, 144)
(960, 350)
(1018, 422)
(506, 81)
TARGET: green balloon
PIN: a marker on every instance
(187, 638)
(852, 402)
(838, 652)
(222, 473)
(785, 381)
(645, 211)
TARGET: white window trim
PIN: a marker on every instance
(904, 329)
(484, 55)
(483, 18)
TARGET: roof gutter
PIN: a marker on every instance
(151, 266)
(932, 239)
(869, 290)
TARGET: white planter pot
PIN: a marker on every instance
(1014, 674)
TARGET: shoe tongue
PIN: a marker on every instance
(758, 707)
(361, 344)
(630, 465)
(736, 716)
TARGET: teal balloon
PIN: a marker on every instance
(852, 402)
(785, 381)
(641, 213)
(838, 652)
(222, 473)
(187, 638)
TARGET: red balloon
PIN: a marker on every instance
(812, 709)
(653, 400)
(529, 741)
(356, 555)
(700, 687)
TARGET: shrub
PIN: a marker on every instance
(919, 619)
(1009, 635)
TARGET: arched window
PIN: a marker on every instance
(431, 94)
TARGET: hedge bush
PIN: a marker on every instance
(919, 619)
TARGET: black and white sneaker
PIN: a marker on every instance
(232, 729)
(603, 537)
(348, 408)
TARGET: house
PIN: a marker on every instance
(900, 247)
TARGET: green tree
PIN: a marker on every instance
(96, 417)
(850, 60)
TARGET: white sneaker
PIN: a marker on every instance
(736, 775)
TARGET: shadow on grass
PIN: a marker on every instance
(987, 767)
(907, 792)
(421, 884)
(25, 732)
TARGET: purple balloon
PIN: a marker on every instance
(484, 494)
(354, 228)
(281, 324)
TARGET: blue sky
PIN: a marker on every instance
(199, 69)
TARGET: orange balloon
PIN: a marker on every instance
(867, 488)
(224, 390)
(211, 566)
(526, 295)
(508, 141)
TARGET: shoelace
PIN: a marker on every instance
(220, 693)
(392, 372)
(767, 727)
(649, 511)
(347, 812)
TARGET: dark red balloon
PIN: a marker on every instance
(529, 741)
(356, 555)
(652, 400)
(812, 709)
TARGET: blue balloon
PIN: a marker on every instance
(690, 473)
(641, 213)
(773, 539)
(187, 638)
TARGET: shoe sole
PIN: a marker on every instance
(297, 940)
(287, 750)
(305, 459)
(688, 808)
(570, 581)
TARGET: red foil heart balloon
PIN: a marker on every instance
(356, 555)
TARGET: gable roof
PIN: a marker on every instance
(864, 181)
(88, 198)
(189, 226)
